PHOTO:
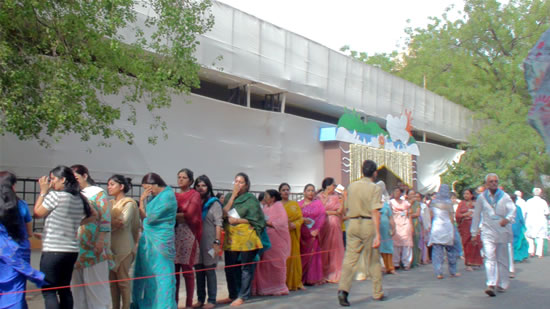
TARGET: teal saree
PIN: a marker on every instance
(155, 256)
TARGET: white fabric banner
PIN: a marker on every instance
(431, 163)
(209, 137)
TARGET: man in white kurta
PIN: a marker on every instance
(498, 211)
(536, 224)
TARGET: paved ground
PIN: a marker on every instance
(412, 289)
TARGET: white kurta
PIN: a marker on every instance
(492, 215)
(536, 224)
(495, 238)
(442, 227)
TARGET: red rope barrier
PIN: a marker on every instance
(153, 276)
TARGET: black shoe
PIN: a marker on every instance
(343, 298)
(490, 290)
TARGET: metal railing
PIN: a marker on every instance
(28, 189)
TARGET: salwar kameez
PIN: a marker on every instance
(403, 237)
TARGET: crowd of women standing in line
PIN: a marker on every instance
(93, 236)
(271, 245)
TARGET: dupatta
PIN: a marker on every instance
(248, 207)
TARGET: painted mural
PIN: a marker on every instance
(352, 129)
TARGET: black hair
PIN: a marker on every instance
(368, 168)
(309, 185)
(246, 180)
(472, 192)
(274, 193)
(9, 212)
(454, 194)
(189, 174)
(71, 185)
(327, 182)
(153, 179)
(82, 170)
(7, 178)
(397, 188)
(219, 195)
(282, 185)
(261, 197)
(207, 182)
(121, 180)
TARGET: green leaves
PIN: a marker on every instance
(59, 59)
(476, 61)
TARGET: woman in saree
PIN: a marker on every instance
(403, 237)
(125, 227)
(188, 233)
(270, 277)
(387, 229)
(15, 268)
(417, 227)
(314, 216)
(331, 239)
(245, 223)
(95, 258)
(295, 221)
(520, 246)
(472, 248)
(156, 249)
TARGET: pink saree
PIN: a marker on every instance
(332, 240)
(312, 268)
(270, 276)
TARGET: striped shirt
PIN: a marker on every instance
(62, 223)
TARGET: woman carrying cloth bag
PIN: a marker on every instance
(245, 223)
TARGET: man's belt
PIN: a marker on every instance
(361, 217)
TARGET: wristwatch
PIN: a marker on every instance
(217, 241)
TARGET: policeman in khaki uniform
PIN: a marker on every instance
(364, 200)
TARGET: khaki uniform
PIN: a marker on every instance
(363, 197)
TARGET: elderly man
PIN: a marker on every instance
(536, 210)
(499, 212)
(363, 234)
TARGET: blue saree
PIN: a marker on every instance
(14, 272)
(521, 246)
(155, 256)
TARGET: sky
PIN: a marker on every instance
(372, 26)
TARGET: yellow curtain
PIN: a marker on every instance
(399, 163)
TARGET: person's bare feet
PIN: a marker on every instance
(237, 302)
(456, 275)
(225, 301)
(469, 268)
(208, 306)
(302, 288)
(197, 305)
(439, 276)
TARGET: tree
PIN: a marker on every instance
(475, 61)
(59, 58)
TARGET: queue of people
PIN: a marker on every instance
(271, 245)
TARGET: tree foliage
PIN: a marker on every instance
(475, 61)
(58, 59)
